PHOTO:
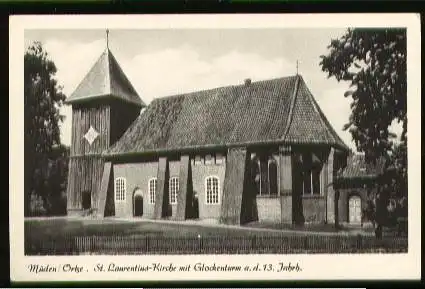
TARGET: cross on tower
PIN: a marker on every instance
(107, 38)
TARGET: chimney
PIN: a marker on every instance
(247, 81)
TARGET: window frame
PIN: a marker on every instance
(155, 180)
(219, 158)
(209, 159)
(218, 190)
(123, 187)
(197, 160)
(176, 192)
(313, 172)
(316, 172)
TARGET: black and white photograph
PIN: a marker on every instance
(214, 141)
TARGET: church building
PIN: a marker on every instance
(254, 151)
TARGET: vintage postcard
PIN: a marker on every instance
(215, 147)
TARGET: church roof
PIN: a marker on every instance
(276, 111)
(105, 79)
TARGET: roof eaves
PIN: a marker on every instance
(106, 153)
(71, 101)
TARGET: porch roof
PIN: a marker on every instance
(357, 168)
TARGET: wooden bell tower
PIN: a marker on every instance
(103, 106)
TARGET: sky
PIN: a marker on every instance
(164, 62)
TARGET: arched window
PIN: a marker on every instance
(152, 190)
(212, 190)
(312, 168)
(120, 189)
(174, 189)
(266, 175)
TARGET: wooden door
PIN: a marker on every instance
(86, 200)
(355, 210)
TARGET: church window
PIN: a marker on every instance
(174, 189)
(120, 189)
(315, 179)
(209, 160)
(219, 159)
(266, 175)
(212, 190)
(152, 190)
(198, 160)
(311, 175)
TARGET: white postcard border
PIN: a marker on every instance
(315, 267)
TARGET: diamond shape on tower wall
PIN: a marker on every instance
(91, 135)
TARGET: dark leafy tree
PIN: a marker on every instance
(373, 62)
(43, 99)
(57, 174)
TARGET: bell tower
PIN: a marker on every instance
(104, 105)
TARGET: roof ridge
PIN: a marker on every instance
(108, 79)
(323, 118)
(316, 110)
(188, 93)
(291, 108)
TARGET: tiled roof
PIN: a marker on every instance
(358, 168)
(308, 123)
(106, 79)
(271, 111)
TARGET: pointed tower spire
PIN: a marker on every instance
(106, 79)
(107, 38)
(297, 66)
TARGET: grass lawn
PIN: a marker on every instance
(111, 236)
(59, 227)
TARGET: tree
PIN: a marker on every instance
(373, 61)
(42, 101)
(57, 173)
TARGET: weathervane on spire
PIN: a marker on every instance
(107, 38)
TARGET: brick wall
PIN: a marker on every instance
(137, 175)
(286, 209)
(277, 209)
(269, 209)
(314, 209)
(199, 172)
(174, 171)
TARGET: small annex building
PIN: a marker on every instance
(253, 151)
(355, 186)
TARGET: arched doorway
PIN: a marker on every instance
(354, 210)
(194, 207)
(138, 203)
(86, 200)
